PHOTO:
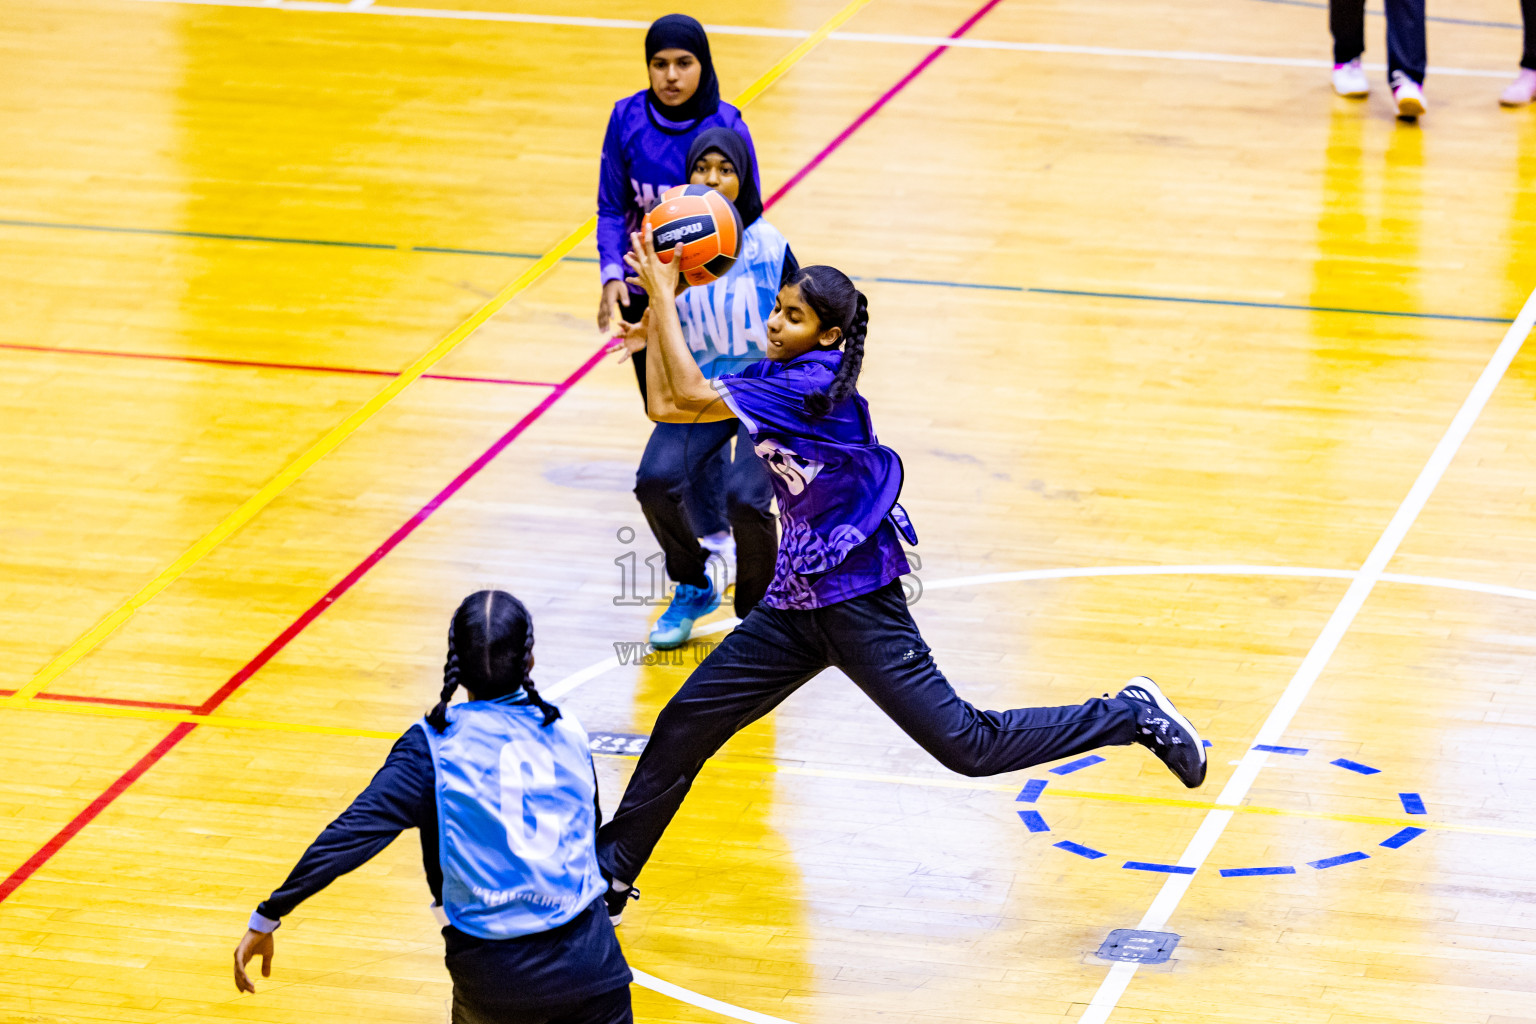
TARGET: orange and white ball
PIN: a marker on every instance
(707, 225)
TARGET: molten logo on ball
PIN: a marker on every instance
(676, 231)
(704, 223)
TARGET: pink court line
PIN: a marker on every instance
(874, 108)
(267, 653)
(164, 747)
(258, 365)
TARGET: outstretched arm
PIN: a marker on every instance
(677, 391)
(390, 805)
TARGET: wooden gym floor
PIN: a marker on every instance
(1197, 370)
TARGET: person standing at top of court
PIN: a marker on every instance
(645, 151)
(1523, 89)
(1407, 56)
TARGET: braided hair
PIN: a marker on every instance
(836, 303)
(490, 652)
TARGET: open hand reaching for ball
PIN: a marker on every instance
(660, 279)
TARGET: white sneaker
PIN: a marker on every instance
(1349, 80)
(1521, 91)
(1410, 98)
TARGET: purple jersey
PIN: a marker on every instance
(837, 485)
(643, 156)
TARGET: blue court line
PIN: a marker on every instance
(1343, 858)
(478, 252)
(1031, 791)
(451, 251)
(1379, 14)
(1245, 872)
(971, 285)
(1267, 305)
(1167, 869)
(1412, 803)
(1402, 838)
(1034, 821)
(1268, 749)
(1078, 848)
(1078, 765)
(1355, 766)
(947, 284)
(214, 235)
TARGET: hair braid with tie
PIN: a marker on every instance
(836, 303)
(490, 651)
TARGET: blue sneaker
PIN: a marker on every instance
(689, 603)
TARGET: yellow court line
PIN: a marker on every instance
(114, 620)
(217, 721)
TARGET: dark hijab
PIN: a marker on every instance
(726, 142)
(680, 32)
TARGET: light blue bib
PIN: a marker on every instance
(517, 825)
(724, 321)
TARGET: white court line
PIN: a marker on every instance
(611, 662)
(1302, 572)
(572, 21)
(692, 998)
(598, 668)
(1210, 830)
(1121, 973)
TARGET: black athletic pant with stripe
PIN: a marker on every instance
(1405, 35)
(873, 639)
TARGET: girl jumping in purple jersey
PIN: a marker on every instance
(836, 597)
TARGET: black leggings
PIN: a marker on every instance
(674, 468)
(873, 639)
(1405, 34)
(608, 1008)
(1528, 14)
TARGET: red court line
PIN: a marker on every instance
(98, 805)
(406, 529)
(258, 365)
(251, 667)
(874, 108)
(282, 640)
(121, 702)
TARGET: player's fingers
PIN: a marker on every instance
(266, 964)
(242, 983)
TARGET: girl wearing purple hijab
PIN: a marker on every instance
(836, 597)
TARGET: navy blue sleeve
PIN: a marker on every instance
(398, 798)
(613, 202)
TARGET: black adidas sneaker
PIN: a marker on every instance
(617, 901)
(1161, 729)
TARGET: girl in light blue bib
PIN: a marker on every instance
(503, 791)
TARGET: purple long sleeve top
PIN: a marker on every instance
(643, 156)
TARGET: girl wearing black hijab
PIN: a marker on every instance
(723, 323)
(645, 150)
(644, 154)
